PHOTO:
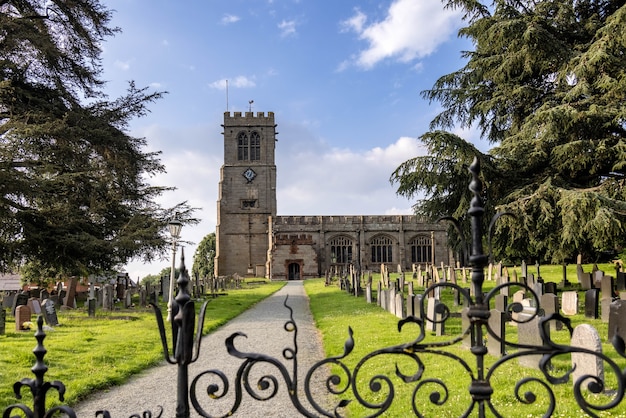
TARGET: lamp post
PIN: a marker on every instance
(174, 227)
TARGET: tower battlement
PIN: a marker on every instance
(259, 118)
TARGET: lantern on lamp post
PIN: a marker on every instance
(174, 227)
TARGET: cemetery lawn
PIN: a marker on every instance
(90, 354)
(334, 311)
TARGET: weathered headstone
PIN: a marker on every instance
(430, 313)
(22, 314)
(417, 306)
(501, 302)
(440, 324)
(379, 290)
(518, 297)
(21, 299)
(586, 336)
(606, 287)
(549, 287)
(617, 320)
(569, 303)
(3, 321)
(620, 281)
(528, 334)
(468, 339)
(107, 297)
(91, 307)
(550, 304)
(399, 302)
(35, 306)
(7, 301)
(368, 292)
(591, 303)
(597, 278)
(496, 322)
(50, 312)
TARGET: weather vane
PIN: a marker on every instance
(250, 105)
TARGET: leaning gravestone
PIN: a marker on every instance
(35, 306)
(50, 312)
(569, 303)
(528, 334)
(586, 336)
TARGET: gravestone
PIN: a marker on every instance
(597, 278)
(107, 298)
(399, 309)
(496, 322)
(410, 307)
(550, 304)
(501, 302)
(368, 292)
(7, 301)
(439, 323)
(617, 320)
(411, 292)
(417, 306)
(91, 307)
(620, 281)
(586, 336)
(21, 299)
(549, 287)
(528, 334)
(3, 321)
(569, 303)
(591, 303)
(379, 289)
(468, 339)
(35, 306)
(22, 314)
(50, 312)
(583, 278)
(431, 303)
(518, 297)
(391, 302)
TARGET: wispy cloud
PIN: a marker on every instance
(237, 82)
(411, 30)
(287, 28)
(122, 65)
(228, 19)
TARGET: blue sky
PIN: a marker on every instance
(343, 78)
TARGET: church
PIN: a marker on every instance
(253, 241)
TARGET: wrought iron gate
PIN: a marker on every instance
(186, 347)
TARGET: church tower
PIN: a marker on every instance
(246, 194)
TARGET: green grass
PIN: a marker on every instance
(334, 311)
(89, 354)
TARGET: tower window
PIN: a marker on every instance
(247, 204)
(248, 148)
(382, 250)
(421, 250)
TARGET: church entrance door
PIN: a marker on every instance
(294, 271)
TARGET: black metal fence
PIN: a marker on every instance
(186, 346)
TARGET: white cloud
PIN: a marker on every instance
(411, 30)
(228, 18)
(287, 27)
(237, 82)
(122, 65)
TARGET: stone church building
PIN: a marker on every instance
(251, 240)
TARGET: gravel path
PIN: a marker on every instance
(264, 325)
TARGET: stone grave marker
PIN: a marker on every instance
(496, 322)
(501, 302)
(3, 321)
(7, 301)
(528, 334)
(550, 304)
(431, 303)
(417, 306)
(50, 312)
(399, 309)
(586, 336)
(597, 278)
(569, 303)
(107, 298)
(549, 287)
(91, 307)
(467, 341)
(21, 299)
(591, 303)
(440, 324)
(410, 306)
(524, 269)
(35, 306)
(379, 290)
(368, 292)
(583, 278)
(22, 314)
(617, 320)
(620, 281)
(383, 296)
(518, 297)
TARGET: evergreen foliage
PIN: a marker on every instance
(75, 196)
(546, 86)
(204, 257)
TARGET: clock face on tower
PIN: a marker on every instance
(249, 174)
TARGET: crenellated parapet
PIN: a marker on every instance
(258, 118)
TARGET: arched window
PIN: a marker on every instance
(248, 148)
(255, 146)
(242, 146)
(382, 250)
(421, 250)
(340, 250)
